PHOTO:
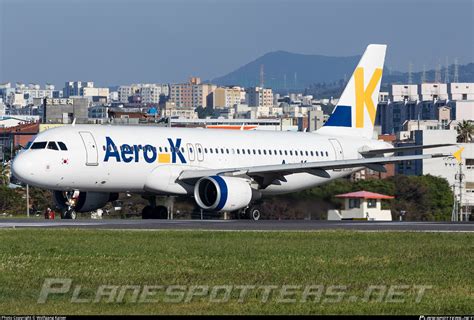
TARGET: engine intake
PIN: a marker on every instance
(218, 193)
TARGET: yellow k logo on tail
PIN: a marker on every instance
(364, 98)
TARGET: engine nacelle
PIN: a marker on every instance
(85, 201)
(220, 193)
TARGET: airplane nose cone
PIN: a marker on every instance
(22, 168)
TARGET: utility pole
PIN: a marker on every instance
(27, 200)
(454, 214)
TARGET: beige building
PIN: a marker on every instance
(259, 97)
(227, 97)
(95, 92)
(192, 94)
(172, 111)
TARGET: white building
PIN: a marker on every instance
(361, 205)
(76, 88)
(405, 92)
(433, 91)
(461, 91)
(465, 110)
(447, 167)
(151, 93)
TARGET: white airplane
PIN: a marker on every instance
(225, 170)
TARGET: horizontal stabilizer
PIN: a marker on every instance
(375, 152)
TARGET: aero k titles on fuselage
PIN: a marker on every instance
(135, 153)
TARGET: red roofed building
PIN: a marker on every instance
(362, 205)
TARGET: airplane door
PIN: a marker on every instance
(191, 152)
(92, 155)
(199, 152)
(337, 149)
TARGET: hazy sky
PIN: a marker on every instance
(125, 41)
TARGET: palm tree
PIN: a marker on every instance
(465, 131)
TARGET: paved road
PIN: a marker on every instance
(240, 225)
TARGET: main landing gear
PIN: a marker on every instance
(153, 211)
(252, 212)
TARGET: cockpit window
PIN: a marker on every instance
(38, 145)
(62, 146)
(28, 145)
(52, 145)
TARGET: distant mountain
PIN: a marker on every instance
(317, 74)
(290, 70)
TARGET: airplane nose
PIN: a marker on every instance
(22, 167)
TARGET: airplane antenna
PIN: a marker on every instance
(74, 122)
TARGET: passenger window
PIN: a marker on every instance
(227, 150)
(264, 151)
(161, 150)
(62, 146)
(243, 151)
(38, 145)
(259, 151)
(205, 150)
(254, 151)
(270, 152)
(306, 153)
(52, 145)
(312, 154)
(199, 150)
(217, 150)
(286, 152)
(327, 154)
(248, 151)
(291, 153)
(210, 150)
(238, 151)
(317, 153)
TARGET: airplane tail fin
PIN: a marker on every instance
(354, 114)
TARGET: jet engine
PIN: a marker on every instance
(83, 201)
(220, 193)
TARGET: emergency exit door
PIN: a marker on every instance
(92, 154)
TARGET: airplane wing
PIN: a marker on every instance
(271, 174)
(375, 152)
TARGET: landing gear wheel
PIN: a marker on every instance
(161, 212)
(69, 214)
(254, 213)
(147, 212)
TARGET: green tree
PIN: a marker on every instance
(465, 130)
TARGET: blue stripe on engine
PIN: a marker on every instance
(223, 189)
(341, 117)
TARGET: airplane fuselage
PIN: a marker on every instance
(142, 159)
